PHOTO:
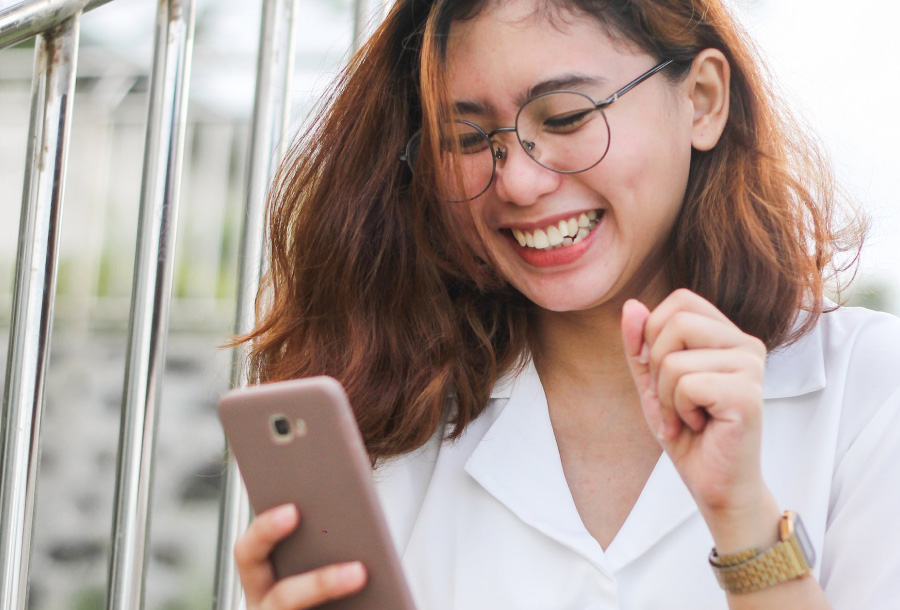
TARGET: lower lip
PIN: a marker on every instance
(558, 257)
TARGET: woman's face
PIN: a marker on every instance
(636, 192)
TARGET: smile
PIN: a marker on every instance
(561, 234)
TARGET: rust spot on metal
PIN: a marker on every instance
(176, 10)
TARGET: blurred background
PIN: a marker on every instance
(835, 67)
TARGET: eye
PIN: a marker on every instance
(567, 122)
(470, 143)
(464, 139)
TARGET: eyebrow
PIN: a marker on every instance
(566, 81)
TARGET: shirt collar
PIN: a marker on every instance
(798, 368)
(517, 462)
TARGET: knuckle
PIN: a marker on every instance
(682, 295)
(681, 320)
(757, 345)
(673, 365)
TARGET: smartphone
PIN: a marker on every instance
(297, 442)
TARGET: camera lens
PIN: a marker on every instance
(281, 425)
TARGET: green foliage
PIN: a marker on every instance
(89, 599)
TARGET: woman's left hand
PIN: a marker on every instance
(700, 380)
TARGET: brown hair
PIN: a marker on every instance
(368, 282)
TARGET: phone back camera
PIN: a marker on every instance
(281, 428)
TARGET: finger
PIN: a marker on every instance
(252, 550)
(682, 300)
(677, 364)
(634, 317)
(689, 331)
(725, 397)
(316, 587)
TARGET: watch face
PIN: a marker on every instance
(803, 539)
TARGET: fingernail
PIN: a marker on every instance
(285, 515)
(352, 574)
(644, 356)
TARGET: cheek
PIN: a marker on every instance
(652, 166)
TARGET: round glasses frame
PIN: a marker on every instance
(409, 152)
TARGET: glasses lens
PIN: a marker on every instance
(563, 131)
(467, 160)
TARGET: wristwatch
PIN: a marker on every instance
(791, 557)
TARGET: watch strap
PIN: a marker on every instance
(753, 570)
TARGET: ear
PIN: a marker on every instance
(709, 86)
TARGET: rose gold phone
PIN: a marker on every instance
(297, 442)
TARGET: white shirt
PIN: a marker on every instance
(488, 522)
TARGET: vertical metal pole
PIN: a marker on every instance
(267, 146)
(362, 16)
(150, 300)
(56, 54)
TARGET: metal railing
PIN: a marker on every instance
(55, 26)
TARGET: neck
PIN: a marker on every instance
(579, 354)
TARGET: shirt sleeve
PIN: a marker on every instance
(861, 555)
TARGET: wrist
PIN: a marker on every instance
(791, 558)
(748, 526)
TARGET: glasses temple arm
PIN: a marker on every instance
(612, 98)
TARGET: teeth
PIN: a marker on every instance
(554, 236)
(562, 234)
(520, 237)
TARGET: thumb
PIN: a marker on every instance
(634, 319)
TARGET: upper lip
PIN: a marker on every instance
(546, 221)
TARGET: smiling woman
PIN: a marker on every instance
(563, 256)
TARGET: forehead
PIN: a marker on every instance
(512, 44)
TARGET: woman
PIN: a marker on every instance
(564, 256)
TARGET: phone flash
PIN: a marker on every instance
(300, 428)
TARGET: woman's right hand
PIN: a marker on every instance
(263, 592)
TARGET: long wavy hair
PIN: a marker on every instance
(369, 283)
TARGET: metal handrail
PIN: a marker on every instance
(268, 145)
(55, 23)
(32, 313)
(29, 18)
(151, 295)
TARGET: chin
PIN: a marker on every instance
(562, 300)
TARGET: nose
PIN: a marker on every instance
(518, 178)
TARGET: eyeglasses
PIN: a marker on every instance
(564, 131)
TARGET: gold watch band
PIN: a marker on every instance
(753, 570)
